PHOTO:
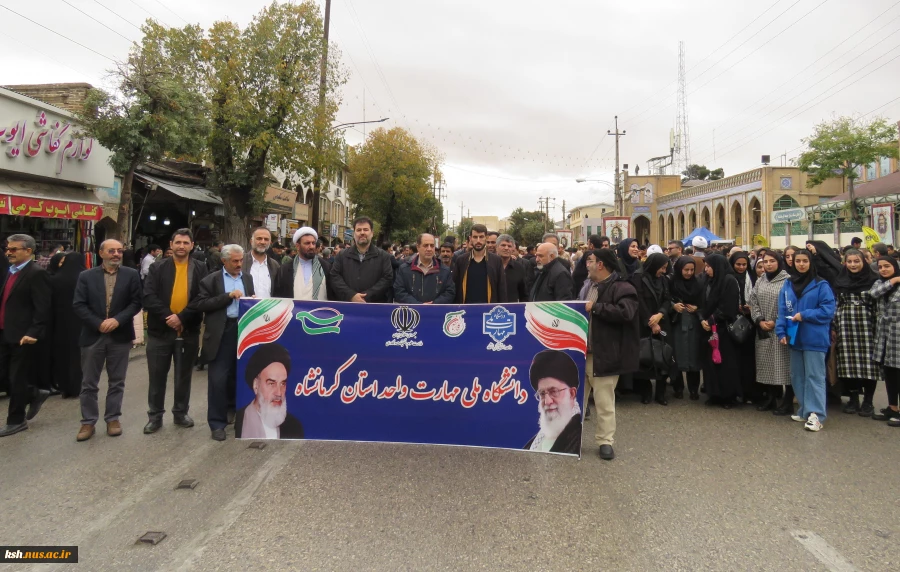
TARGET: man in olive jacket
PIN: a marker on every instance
(612, 303)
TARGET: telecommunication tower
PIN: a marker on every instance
(682, 132)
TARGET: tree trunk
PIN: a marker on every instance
(237, 225)
(122, 231)
(854, 214)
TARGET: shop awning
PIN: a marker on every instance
(183, 190)
(21, 197)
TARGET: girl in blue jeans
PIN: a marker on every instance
(805, 311)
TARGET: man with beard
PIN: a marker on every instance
(674, 252)
(479, 274)
(447, 255)
(362, 273)
(423, 279)
(513, 269)
(604, 242)
(554, 377)
(553, 282)
(554, 240)
(219, 297)
(267, 417)
(311, 282)
(261, 267)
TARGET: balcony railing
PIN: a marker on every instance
(712, 186)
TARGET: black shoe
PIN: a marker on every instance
(587, 412)
(8, 430)
(230, 418)
(218, 434)
(768, 405)
(201, 367)
(34, 407)
(728, 404)
(786, 407)
(152, 426)
(679, 394)
(184, 421)
(852, 405)
(662, 401)
(695, 396)
(54, 391)
(894, 421)
(866, 409)
(884, 414)
(607, 453)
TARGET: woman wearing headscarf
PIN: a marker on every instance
(827, 264)
(629, 253)
(720, 308)
(688, 336)
(789, 259)
(805, 311)
(887, 335)
(746, 278)
(759, 268)
(66, 326)
(855, 332)
(655, 307)
(773, 360)
(55, 261)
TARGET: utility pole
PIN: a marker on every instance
(618, 192)
(315, 215)
(564, 211)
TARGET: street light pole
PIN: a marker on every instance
(352, 123)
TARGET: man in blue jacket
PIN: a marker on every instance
(424, 280)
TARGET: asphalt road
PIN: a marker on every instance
(692, 488)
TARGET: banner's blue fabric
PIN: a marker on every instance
(453, 375)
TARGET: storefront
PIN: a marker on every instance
(48, 175)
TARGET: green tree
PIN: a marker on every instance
(841, 146)
(464, 228)
(391, 182)
(532, 233)
(701, 173)
(261, 87)
(716, 174)
(155, 113)
(520, 219)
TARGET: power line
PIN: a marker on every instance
(116, 32)
(57, 33)
(152, 15)
(117, 15)
(172, 11)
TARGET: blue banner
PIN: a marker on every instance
(506, 376)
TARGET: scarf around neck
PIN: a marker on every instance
(630, 262)
(799, 281)
(855, 282)
(686, 291)
(318, 274)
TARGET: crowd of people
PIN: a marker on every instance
(763, 327)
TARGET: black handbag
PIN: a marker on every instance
(655, 354)
(741, 329)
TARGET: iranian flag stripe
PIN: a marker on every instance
(264, 323)
(556, 326)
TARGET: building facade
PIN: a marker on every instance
(586, 220)
(734, 208)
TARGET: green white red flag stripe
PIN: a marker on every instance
(557, 326)
(263, 323)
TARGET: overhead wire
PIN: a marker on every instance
(117, 15)
(58, 34)
(114, 31)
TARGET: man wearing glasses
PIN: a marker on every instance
(554, 377)
(106, 300)
(674, 251)
(24, 318)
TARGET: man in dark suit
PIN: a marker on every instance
(218, 300)
(173, 328)
(479, 275)
(261, 267)
(513, 269)
(24, 316)
(106, 300)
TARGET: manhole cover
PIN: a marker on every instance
(152, 538)
(188, 484)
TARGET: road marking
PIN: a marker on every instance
(824, 552)
(189, 553)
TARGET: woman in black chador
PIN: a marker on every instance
(66, 355)
(720, 307)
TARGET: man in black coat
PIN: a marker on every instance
(173, 329)
(612, 303)
(106, 300)
(362, 273)
(479, 274)
(554, 377)
(312, 282)
(218, 300)
(424, 280)
(24, 319)
(513, 269)
(260, 265)
(553, 281)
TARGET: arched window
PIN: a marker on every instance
(785, 202)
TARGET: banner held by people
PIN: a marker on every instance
(501, 376)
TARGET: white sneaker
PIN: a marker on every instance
(797, 418)
(813, 423)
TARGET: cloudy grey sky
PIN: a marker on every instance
(519, 94)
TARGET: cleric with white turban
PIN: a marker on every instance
(305, 278)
